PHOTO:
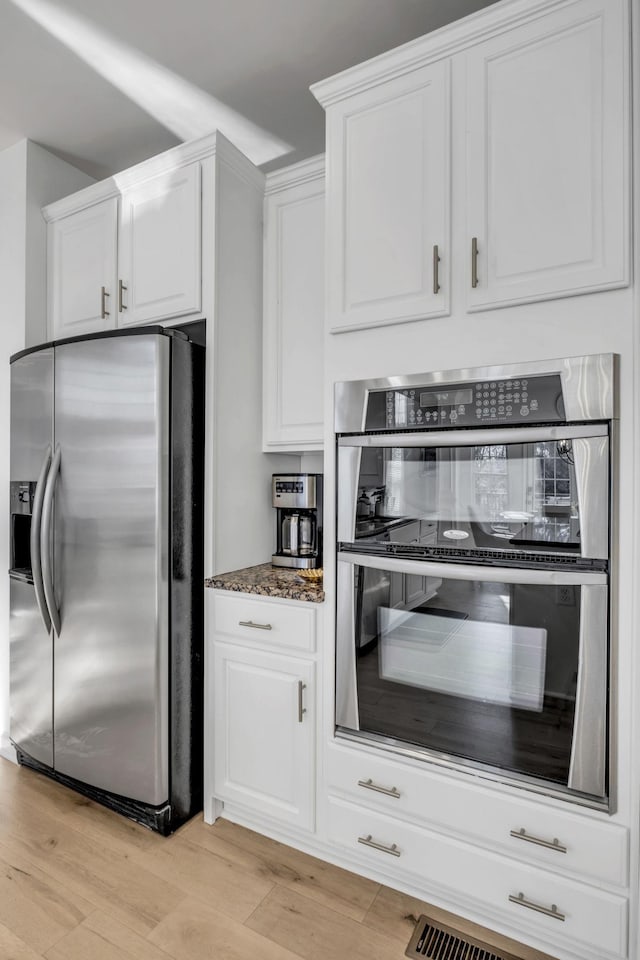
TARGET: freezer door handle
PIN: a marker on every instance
(45, 542)
(36, 560)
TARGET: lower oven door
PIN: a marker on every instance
(500, 668)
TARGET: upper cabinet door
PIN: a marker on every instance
(82, 270)
(293, 342)
(160, 248)
(546, 155)
(388, 199)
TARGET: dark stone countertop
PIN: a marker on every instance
(268, 581)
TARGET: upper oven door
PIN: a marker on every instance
(525, 490)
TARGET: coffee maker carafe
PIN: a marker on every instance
(297, 498)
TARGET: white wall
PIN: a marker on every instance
(30, 177)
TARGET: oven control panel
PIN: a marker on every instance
(536, 399)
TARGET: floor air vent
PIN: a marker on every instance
(437, 941)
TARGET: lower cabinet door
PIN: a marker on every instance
(264, 737)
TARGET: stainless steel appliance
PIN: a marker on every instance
(473, 607)
(106, 568)
(297, 498)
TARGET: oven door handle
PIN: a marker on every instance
(588, 763)
(476, 437)
(465, 571)
(347, 711)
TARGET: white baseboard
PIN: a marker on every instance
(8, 752)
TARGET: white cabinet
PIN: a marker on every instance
(260, 743)
(556, 910)
(264, 755)
(132, 257)
(538, 146)
(388, 202)
(545, 157)
(82, 270)
(160, 254)
(293, 346)
(525, 828)
(510, 858)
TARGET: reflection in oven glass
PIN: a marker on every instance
(485, 671)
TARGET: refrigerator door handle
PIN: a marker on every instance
(36, 559)
(45, 542)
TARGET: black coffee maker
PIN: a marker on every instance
(298, 499)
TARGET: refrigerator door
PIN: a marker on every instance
(30, 649)
(110, 561)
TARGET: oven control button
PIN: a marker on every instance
(524, 411)
(453, 416)
(534, 404)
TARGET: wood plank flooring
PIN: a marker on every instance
(78, 882)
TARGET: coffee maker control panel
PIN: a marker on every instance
(295, 490)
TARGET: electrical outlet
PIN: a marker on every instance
(565, 596)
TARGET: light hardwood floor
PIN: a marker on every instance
(78, 882)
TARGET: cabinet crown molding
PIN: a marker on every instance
(443, 42)
(296, 174)
(215, 144)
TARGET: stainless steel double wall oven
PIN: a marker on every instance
(474, 532)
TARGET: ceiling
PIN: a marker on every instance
(107, 84)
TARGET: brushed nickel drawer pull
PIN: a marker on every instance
(436, 261)
(368, 842)
(551, 911)
(370, 785)
(104, 313)
(301, 709)
(474, 262)
(121, 304)
(258, 626)
(554, 844)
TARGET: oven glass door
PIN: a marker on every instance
(539, 490)
(497, 667)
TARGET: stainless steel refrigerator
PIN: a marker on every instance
(106, 578)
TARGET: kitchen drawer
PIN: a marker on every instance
(593, 917)
(265, 622)
(595, 850)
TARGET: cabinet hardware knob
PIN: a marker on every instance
(369, 842)
(301, 709)
(551, 911)
(474, 262)
(388, 791)
(554, 844)
(436, 261)
(256, 626)
(104, 313)
(121, 288)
